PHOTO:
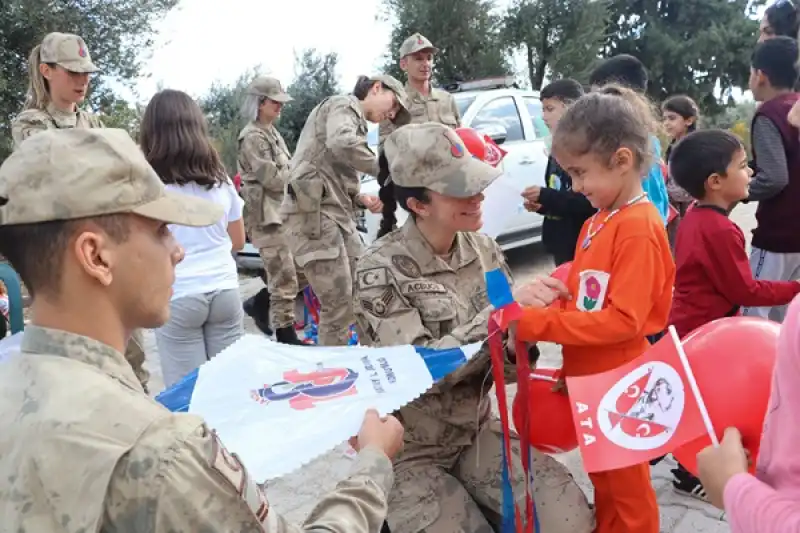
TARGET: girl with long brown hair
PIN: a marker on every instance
(205, 311)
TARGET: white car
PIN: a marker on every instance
(513, 118)
(510, 116)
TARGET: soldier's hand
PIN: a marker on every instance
(386, 434)
(371, 202)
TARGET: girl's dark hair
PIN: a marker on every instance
(684, 106)
(391, 195)
(174, 138)
(602, 122)
(783, 18)
(363, 86)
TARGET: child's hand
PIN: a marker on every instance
(541, 292)
(3, 289)
(717, 465)
(531, 194)
(560, 386)
(531, 207)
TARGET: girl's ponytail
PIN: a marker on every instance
(387, 197)
(38, 90)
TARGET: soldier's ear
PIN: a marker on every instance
(94, 255)
(420, 209)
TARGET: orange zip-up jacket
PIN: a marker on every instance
(621, 288)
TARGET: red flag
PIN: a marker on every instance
(636, 412)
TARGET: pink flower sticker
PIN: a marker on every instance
(593, 288)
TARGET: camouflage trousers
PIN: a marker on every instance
(459, 490)
(284, 278)
(134, 354)
(329, 265)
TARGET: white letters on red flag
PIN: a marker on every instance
(636, 412)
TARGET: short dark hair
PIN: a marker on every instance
(777, 59)
(565, 90)
(623, 69)
(699, 155)
(392, 195)
(782, 17)
(364, 84)
(174, 138)
(36, 251)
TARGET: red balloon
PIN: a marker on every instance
(550, 415)
(481, 146)
(732, 360)
(561, 273)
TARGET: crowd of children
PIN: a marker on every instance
(609, 194)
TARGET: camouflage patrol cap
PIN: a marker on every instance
(403, 115)
(77, 173)
(67, 51)
(433, 156)
(270, 88)
(416, 43)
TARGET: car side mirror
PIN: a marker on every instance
(496, 132)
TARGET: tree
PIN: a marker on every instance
(466, 32)
(119, 34)
(315, 80)
(222, 106)
(693, 47)
(563, 37)
(123, 115)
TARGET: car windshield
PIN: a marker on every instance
(463, 102)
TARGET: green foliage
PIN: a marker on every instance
(689, 47)
(315, 80)
(120, 114)
(559, 37)
(466, 32)
(119, 34)
(735, 118)
(221, 104)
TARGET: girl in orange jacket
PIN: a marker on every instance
(622, 276)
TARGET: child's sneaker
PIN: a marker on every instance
(686, 484)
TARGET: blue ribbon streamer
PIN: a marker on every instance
(509, 510)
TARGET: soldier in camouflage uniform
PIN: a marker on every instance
(104, 456)
(423, 284)
(264, 168)
(426, 104)
(59, 70)
(323, 195)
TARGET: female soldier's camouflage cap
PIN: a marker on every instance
(403, 115)
(433, 156)
(67, 51)
(270, 88)
(79, 173)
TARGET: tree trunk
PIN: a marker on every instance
(531, 66)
